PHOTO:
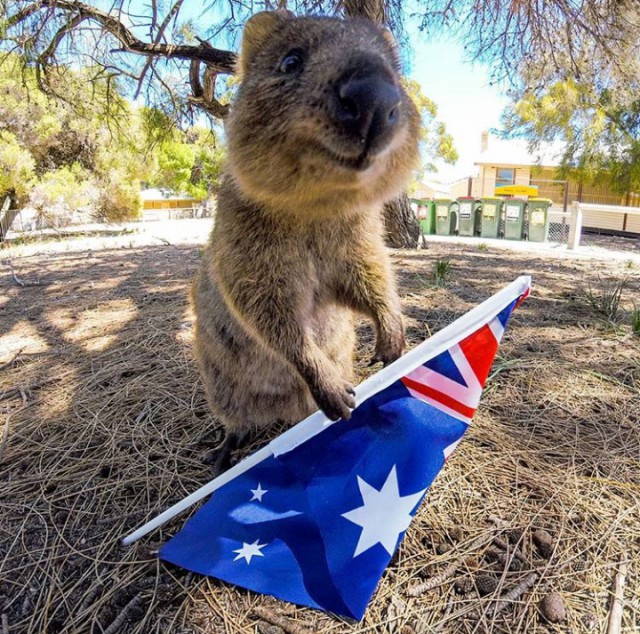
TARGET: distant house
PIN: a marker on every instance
(509, 162)
(160, 204)
(431, 190)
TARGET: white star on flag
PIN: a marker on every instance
(384, 514)
(258, 493)
(249, 550)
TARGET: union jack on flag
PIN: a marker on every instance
(315, 517)
(453, 380)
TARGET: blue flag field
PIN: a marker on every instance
(315, 517)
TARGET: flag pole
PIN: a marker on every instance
(197, 495)
(317, 422)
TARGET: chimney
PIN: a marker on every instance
(484, 141)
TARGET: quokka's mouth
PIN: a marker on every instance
(358, 163)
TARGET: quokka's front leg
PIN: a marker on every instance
(275, 314)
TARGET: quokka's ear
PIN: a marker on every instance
(390, 39)
(257, 30)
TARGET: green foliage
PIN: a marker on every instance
(186, 162)
(59, 159)
(600, 130)
(604, 298)
(435, 141)
(118, 199)
(17, 166)
(635, 320)
(442, 272)
(62, 191)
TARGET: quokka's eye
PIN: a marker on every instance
(291, 63)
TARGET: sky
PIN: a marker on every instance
(466, 101)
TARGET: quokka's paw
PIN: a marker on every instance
(389, 346)
(336, 400)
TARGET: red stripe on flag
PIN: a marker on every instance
(522, 298)
(438, 396)
(480, 349)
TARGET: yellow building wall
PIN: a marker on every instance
(488, 177)
(170, 204)
(522, 176)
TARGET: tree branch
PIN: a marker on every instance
(222, 61)
(165, 23)
(49, 52)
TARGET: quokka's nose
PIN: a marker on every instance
(368, 107)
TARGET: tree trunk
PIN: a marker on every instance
(8, 212)
(402, 228)
(401, 225)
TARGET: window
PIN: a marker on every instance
(505, 176)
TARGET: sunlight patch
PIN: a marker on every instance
(23, 337)
(96, 329)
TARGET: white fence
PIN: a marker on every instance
(175, 213)
(609, 217)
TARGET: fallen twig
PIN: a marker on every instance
(5, 437)
(448, 572)
(499, 522)
(23, 392)
(288, 626)
(434, 582)
(515, 593)
(21, 282)
(19, 391)
(118, 623)
(511, 550)
(615, 614)
(9, 363)
(91, 597)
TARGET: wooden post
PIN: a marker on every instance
(575, 228)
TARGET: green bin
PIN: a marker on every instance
(468, 216)
(514, 225)
(426, 216)
(539, 219)
(491, 210)
(446, 216)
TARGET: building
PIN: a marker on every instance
(159, 204)
(431, 190)
(510, 162)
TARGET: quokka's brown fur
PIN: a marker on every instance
(297, 245)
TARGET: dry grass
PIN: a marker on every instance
(105, 425)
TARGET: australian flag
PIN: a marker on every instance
(318, 520)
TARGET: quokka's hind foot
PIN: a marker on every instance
(221, 458)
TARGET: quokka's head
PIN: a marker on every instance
(320, 117)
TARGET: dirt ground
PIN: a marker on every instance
(104, 424)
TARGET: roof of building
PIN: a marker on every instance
(432, 189)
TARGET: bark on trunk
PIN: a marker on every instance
(401, 225)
